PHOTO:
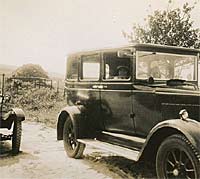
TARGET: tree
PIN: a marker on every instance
(168, 27)
(31, 70)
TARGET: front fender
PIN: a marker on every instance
(190, 129)
(15, 114)
(76, 115)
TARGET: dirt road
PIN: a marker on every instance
(42, 156)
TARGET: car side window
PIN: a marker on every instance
(116, 68)
(72, 68)
(90, 67)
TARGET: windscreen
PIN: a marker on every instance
(165, 66)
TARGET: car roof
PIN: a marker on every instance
(141, 46)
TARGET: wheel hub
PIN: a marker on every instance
(176, 172)
(179, 169)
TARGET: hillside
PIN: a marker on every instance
(7, 69)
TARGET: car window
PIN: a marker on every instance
(72, 68)
(116, 68)
(165, 66)
(90, 67)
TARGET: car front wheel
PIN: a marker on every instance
(177, 158)
(73, 148)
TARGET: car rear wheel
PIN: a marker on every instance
(16, 138)
(73, 148)
(177, 158)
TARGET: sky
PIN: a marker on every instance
(45, 31)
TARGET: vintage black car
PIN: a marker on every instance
(138, 101)
(10, 122)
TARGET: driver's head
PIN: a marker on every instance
(123, 71)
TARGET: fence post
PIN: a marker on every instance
(3, 81)
(58, 86)
(2, 92)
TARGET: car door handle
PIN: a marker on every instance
(102, 86)
(95, 87)
(99, 86)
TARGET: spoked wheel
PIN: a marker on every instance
(16, 138)
(73, 148)
(177, 159)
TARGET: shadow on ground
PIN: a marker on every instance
(5, 149)
(125, 168)
(7, 158)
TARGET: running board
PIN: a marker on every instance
(126, 141)
(121, 151)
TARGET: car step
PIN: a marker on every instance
(131, 142)
(121, 151)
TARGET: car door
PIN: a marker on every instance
(89, 88)
(116, 93)
(144, 97)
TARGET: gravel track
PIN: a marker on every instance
(42, 156)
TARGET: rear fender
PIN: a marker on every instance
(190, 129)
(76, 115)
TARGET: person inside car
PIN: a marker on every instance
(122, 72)
(154, 70)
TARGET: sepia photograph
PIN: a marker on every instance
(94, 89)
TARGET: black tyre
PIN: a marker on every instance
(16, 138)
(177, 158)
(73, 148)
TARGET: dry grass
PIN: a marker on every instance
(45, 115)
(39, 105)
(121, 166)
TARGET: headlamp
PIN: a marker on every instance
(183, 114)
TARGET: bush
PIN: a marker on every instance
(30, 70)
(35, 99)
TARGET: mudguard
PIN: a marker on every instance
(8, 118)
(19, 113)
(76, 114)
(189, 128)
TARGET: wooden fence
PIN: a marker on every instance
(30, 82)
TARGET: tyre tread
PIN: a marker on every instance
(16, 139)
(183, 138)
(78, 152)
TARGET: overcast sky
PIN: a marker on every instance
(45, 31)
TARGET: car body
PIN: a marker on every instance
(139, 110)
